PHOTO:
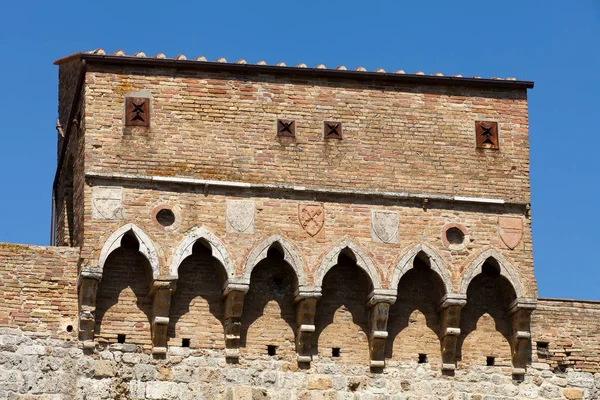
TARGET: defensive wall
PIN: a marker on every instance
(227, 230)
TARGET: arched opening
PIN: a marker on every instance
(197, 308)
(269, 318)
(414, 319)
(342, 318)
(123, 304)
(485, 323)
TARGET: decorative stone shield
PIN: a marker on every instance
(240, 216)
(510, 230)
(311, 217)
(107, 202)
(384, 226)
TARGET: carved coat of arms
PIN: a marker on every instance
(510, 230)
(384, 226)
(240, 216)
(311, 217)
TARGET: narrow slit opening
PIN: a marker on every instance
(121, 338)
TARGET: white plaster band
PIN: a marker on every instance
(523, 335)
(448, 367)
(159, 350)
(380, 334)
(161, 320)
(304, 359)
(452, 331)
(207, 182)
(307, 328)
(377, 364)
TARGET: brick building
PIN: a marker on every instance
(234, 230)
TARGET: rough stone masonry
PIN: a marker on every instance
(250, 231)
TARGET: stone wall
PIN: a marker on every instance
(38, 368)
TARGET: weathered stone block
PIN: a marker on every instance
(240, 216)
(107, 202)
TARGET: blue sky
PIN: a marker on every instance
(554, 43)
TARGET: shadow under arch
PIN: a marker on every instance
(414, 319)
(285, 248)
(353, 251)
(485, 327)
(123, 304)
(145, 246)
(211, 241)
(342, 317)
(269, 315)
(197, 307)
(503, 267)
(430, 258)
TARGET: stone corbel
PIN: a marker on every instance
(379, 304)
(87, 288)
(161, 291)
(306, 298)
(520, 318)
(450, 308)
(233, 293)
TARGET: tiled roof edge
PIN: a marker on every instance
(119, 57)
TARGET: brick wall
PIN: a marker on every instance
(221, 126)
(197, 305)
(414, 322)
(342, 220)
(38, 289)
(566, 334)
(342, 319)
(269, 317)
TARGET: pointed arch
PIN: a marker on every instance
(219, 251)
(435, 261)
(290, 255)
(362, 260)
(147, 247)
(506, 270)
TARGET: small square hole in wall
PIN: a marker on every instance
(286, 127)
(422, 358)
(332, 129)
(490, 361)
(137, 111)
(185, 342)
(335, 352)
(121, 338)
(542, 345)
(271, 350)
(487, 135)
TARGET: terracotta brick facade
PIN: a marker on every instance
(206, 236)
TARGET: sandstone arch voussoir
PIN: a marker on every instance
(219, 251)
(147, 247)
(290, 255)
(507, 270)
(362, 260)
(437, 264)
